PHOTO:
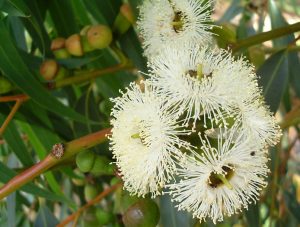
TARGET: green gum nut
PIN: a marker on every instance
(90, 219)
(144, 213)
(102, 166)
(99, 36)
(104, 217)
(61, 53)
(79, 180)
(85, 161)
(58, 48)
(5, 85)
(90, 192)
(126, 11)
(62, 73)
(86, 45)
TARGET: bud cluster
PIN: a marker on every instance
(91, 37)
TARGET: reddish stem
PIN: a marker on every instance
(90, 203)
(71, 149)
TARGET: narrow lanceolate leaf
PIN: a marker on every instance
(277, 20)
(170, 216)
(252, 215)
(13, 66)
(45, 218)
(273, 78)
(63, 17)
(292, 204)
(16, 144)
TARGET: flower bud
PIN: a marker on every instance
(102, 166)
(49, 69)
(73, 45)
(89, 218)
(143, 213)
(86, 45)
(62, 73)
(126, 11)
(5, 85)
(90, 192)
(85, 161)
(58, 43)
(104, 217)
(79, 180)
(58, 48)
(84, 30)
(99, 36)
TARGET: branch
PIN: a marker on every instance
(265, 36)
(19, 100)
(82, 77)
(70, 149)
(90, 203)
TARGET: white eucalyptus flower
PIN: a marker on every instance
(257, 121)
(144, 140)
(221, 180)
(206, 83)
(174, 22)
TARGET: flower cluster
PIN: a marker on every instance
(198, 128)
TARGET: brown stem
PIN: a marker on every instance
(19, 101)
(90, 203)
(14, 98)
(71, 149)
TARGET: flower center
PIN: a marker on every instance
(198, 74)
(215, 180)
(177, 22)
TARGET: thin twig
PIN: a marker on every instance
(265, 36)
(71, 149)
(90, 203)
(12, 113)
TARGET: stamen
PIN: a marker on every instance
(177, 22)
(224, 180)
(136, 136)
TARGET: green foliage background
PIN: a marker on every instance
(59, 115)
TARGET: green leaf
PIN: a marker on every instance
(45, 218)
(132, 47)
(277, 21)
(292, 204)
(12, 10)
(11, 209)
(39, 148)
(273, 78)
(107, 8)
(15, 142)
(18, 31)
(294, 69)
(15, 69)
(80, 12)
(170, 216)
(31, 23)
(234, 9)
(252, 215)
(93, 9)
(78, 62)
(63, 17)
(35, 25)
